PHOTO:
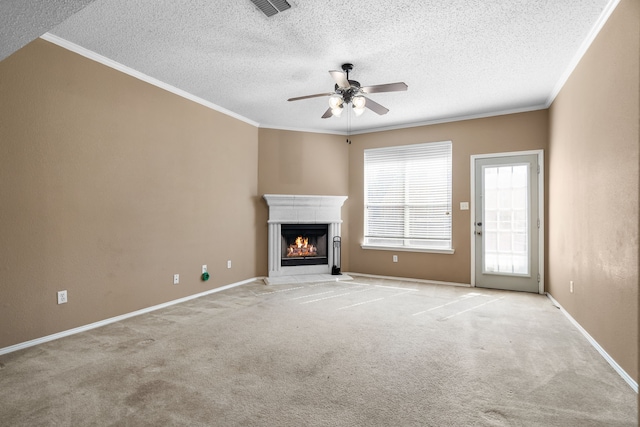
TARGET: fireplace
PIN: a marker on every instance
(304, 244)
(316, 220)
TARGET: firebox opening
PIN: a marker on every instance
(304, 244)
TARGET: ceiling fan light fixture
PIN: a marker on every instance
(358, 111)
(358, 102)
(337, 111)
(335, 101)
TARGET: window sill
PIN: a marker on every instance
(406, 249)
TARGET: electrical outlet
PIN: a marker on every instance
(229, 264)
(395, 258)
(571, 286)
(176, 279)
(204, 268)
(62, 297)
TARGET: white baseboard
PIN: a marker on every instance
(594, 343)
(408, 279)
(104, 322)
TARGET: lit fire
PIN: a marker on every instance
(301, 248)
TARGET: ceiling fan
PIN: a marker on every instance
(350, 92)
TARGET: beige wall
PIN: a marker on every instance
(301, 163)
(515, 132)
(593, 202)
(109, 186)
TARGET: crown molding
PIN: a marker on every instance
(66, 44)
(591, 36)
(308, 130)
(454, 119)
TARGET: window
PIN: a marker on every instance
(407, 197)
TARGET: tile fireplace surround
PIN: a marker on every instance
(299, 209)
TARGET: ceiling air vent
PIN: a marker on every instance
(271, 7)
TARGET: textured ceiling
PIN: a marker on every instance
(22, 21)
(459, 58)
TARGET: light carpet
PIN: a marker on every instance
(367, 352)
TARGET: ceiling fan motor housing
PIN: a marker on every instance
(350, 92)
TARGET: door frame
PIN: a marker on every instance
(540, 154)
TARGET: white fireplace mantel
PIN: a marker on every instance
(295, 209)
(301, 209)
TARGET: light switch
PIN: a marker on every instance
(464, 206)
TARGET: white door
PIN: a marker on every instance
(506, 225)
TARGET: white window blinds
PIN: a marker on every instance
(408, 196)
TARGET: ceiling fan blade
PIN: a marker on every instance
(389, 87)
(340, 78)
(375, 107)
(310, 96)
(327, 114)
